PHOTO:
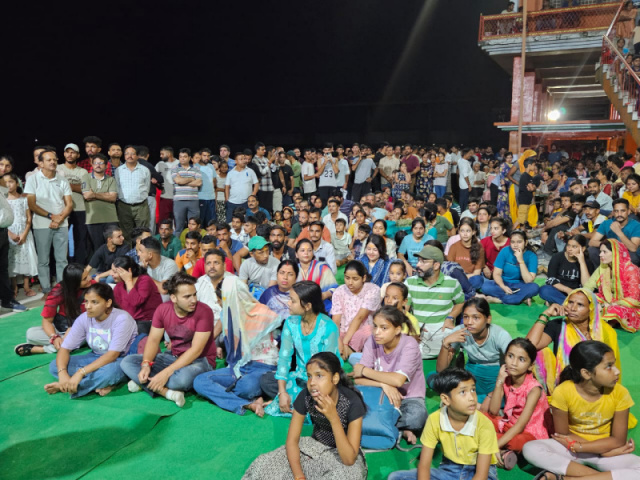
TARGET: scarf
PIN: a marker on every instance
(245, 322)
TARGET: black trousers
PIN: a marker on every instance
(266, 200)
(6, 292)
(96, 233)
(495, 190)
(359, 190)
(80, 233)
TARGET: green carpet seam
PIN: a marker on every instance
(23, 372)
(126, 445)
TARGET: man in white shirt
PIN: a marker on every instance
(342, 180)
(49, 199)
(240, 183)
(163, 167)
(322, 250)
(308, 172)
(451, 159)
(208, 284)
(472, 211)
(328, 170)
(464, 178)
(329, 219)
(388, 164)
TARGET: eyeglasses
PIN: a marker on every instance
(99, 163)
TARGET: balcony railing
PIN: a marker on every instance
(549, 22)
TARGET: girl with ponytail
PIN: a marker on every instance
(336, 409)
(591, 420)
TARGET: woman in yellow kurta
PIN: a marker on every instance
(516, 171)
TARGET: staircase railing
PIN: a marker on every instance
(617, 70)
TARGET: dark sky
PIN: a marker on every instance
(189, 73)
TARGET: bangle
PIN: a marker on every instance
(541, 322)
(53, 338)
(146, 363)
(545, 316)
(570, 444)
(61, 369)
(84, 372)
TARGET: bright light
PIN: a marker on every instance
(553, 115)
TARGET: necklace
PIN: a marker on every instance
(309, 328)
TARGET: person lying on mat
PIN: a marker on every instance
(189, 324)
(109, 332)
(393, 361)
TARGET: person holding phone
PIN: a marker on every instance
(328, 171)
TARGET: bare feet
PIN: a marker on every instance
(409, 436)
(528, 302)
(257, 407)
(30, 292)
(491, 299)
(52, 388)
(105, 391)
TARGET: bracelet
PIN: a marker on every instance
(300, 478)
(146, 363)
(570, 444)
(84, 372)
(61, 369)
(545, 316)
(53, 338)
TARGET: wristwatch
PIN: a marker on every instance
(49, 216)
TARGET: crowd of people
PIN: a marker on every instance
(271, 271)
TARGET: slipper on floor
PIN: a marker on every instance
(509, 459)
(24, 349)
(31, 293)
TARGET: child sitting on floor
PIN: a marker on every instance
(393, 361)
(468, 439)
(591, 419)
(525, 403)
(483, 342)
(336, 409)
(397, 295)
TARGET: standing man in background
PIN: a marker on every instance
(164, 167)
(133, 182)
(156, 183)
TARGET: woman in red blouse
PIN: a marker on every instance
(499, 238)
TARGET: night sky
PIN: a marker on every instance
(197, 74)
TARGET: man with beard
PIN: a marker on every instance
(76, 176)
(303, 221)
(322, 249)
(207, 193)
(115, 155)
(189, 324)
(208, 286)
(103, 257)
(93, 146)
(241, 182)
(159, 267)
(100, 194)
(437, 300)
(169, 243)
(279, 249)
(620, 227)
(164, 167)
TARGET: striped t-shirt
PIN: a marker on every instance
(432, 303)
(185, 192)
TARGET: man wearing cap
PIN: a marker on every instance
(261, 268)
(437, 300)
(49, 199)
(76, 176)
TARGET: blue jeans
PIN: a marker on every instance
(446, 471)
(232, 206)
(527, 290)
(551, 294)
(105, 376)
(207, 211)
(464, 199)
(227, 391)
(440, 191)
(476, 281)
(182, 379)
(414, 415)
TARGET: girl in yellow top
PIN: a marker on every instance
(590, 416)
(632, 192)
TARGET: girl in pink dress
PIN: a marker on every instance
(526, 409)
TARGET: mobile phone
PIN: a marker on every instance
(516, 290)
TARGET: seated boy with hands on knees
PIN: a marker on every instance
(467, 437)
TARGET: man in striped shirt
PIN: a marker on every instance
(187, 179)
(437, 300)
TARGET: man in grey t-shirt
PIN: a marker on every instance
(159, 268)
(365, 169)
(261, 268)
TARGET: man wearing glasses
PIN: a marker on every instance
(100, 193)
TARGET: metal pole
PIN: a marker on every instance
(523, 59)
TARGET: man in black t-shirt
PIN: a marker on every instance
(561, 223)
(285, 174)
(529, 182)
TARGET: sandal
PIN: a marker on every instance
(509, 459)
(543, 476)
(24, 349)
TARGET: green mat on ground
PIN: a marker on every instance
(126, 435)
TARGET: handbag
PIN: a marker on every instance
(379, 431)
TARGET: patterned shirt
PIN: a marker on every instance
(266, 184)
(133, 185)
(185, 192)
(432, 303)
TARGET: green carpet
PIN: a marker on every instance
(126, 435)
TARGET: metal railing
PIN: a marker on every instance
(547, 22)
(625, 82)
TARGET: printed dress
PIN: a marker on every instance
(503, 195)
(424, 184)
(22, 258)
(399, 187)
